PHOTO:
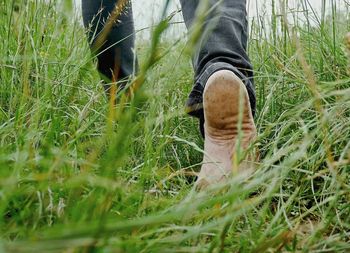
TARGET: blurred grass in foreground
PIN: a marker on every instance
(73, 181)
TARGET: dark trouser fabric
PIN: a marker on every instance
(222, 46)
(115, 58)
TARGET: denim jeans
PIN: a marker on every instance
(222, 46)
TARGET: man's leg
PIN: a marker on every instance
(116, 58)
(223, 82)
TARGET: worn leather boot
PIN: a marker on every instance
(229, 129)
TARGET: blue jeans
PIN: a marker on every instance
(222, 46)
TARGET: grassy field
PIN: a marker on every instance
(80, 175)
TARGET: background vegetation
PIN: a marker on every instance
(80, 175)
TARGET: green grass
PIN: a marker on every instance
(79, 176)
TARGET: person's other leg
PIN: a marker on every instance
(116, 59)
(223, 82)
